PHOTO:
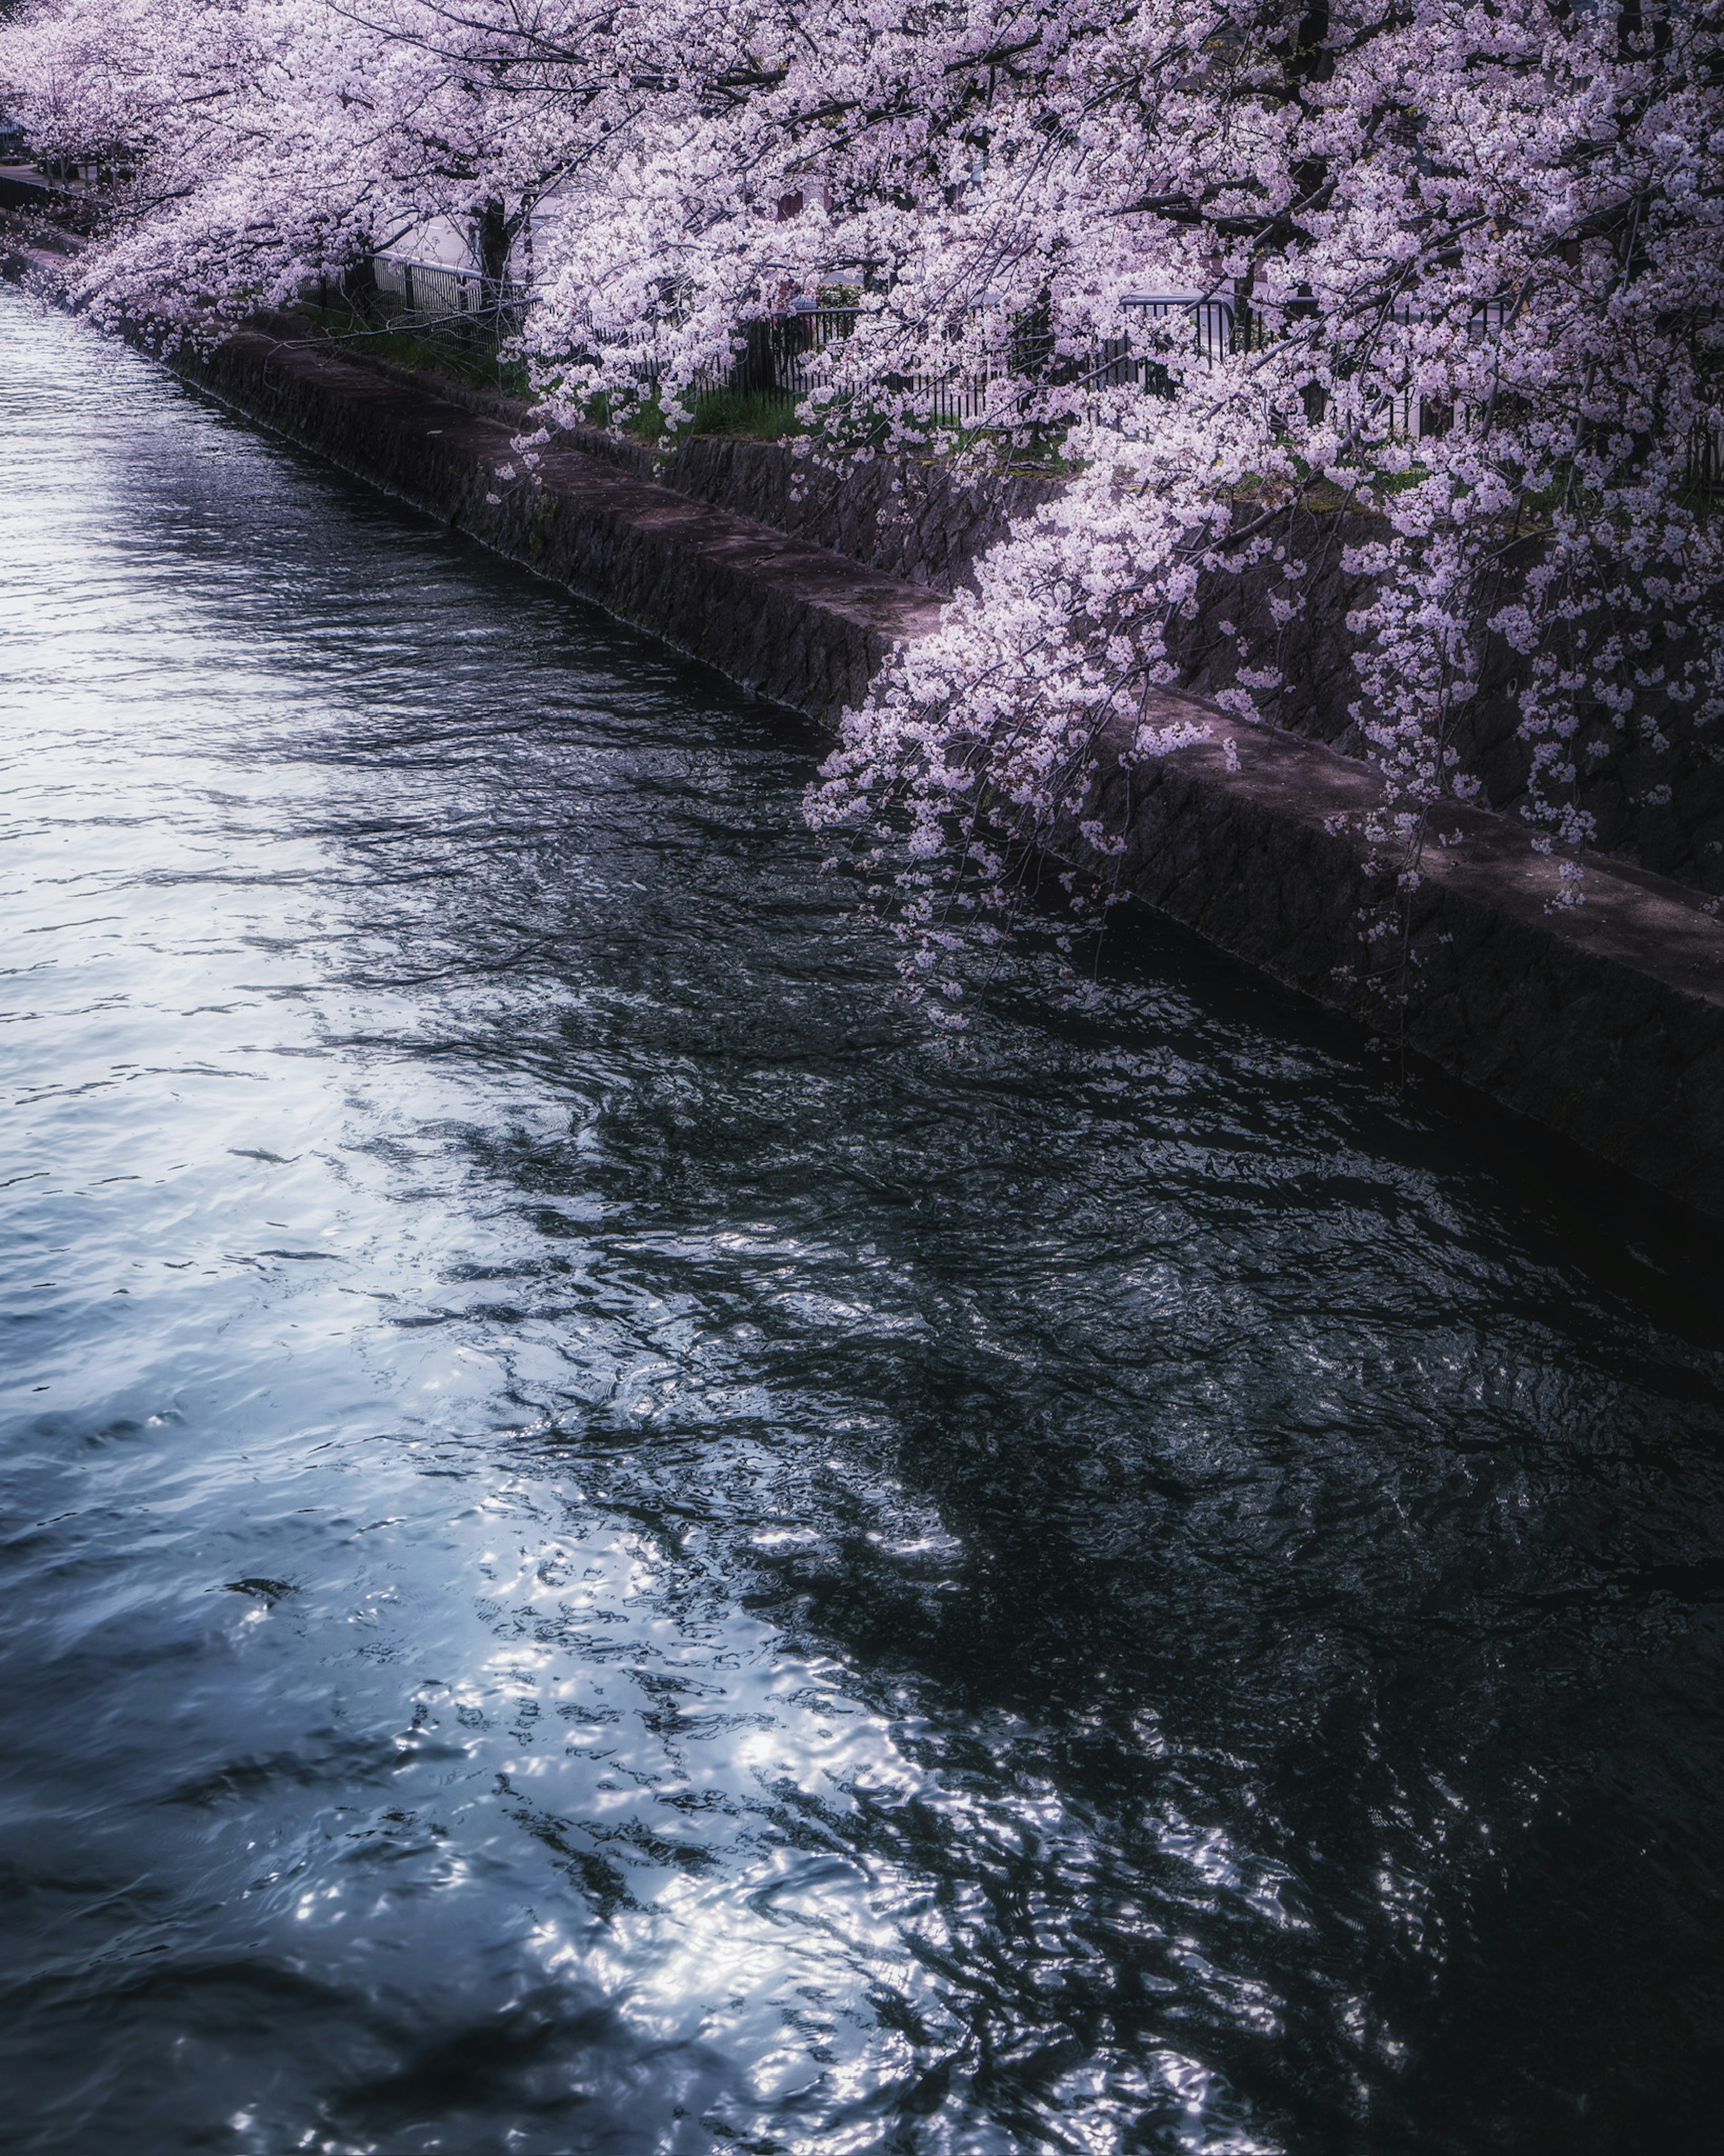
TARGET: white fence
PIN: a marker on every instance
(438, 300)
(795, 354)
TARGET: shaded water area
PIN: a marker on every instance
(609, 1548)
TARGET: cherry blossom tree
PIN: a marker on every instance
(275, 141)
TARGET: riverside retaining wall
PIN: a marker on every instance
(793, 621)
(1655, 791)
(904, 515)
(1605, 1024)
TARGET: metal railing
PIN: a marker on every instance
(796, 354)
(434, 298)
(803, 338)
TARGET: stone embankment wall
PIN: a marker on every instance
(904, 515)
(1604, 1024)
(909, 516)
(1656, 802)
(786, 619)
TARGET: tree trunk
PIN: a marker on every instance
(494, 232)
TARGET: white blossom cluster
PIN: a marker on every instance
(1469, 254)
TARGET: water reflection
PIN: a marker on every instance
(612, 1549)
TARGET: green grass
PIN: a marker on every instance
(748, 414)
(477, 365)
(758, 414)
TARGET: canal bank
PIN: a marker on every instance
(1604, 1023)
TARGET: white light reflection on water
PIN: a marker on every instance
(608, 1549)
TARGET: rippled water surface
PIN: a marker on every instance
(609, 1549)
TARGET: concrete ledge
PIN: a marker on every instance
(1604, 1023)
(791, 621)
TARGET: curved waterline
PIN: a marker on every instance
(611, 1548)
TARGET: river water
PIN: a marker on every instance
(608, 1547)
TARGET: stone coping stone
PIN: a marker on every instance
(1604, 1021)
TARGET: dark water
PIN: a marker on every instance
(608, 1549)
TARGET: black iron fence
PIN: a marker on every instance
(799, 353)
